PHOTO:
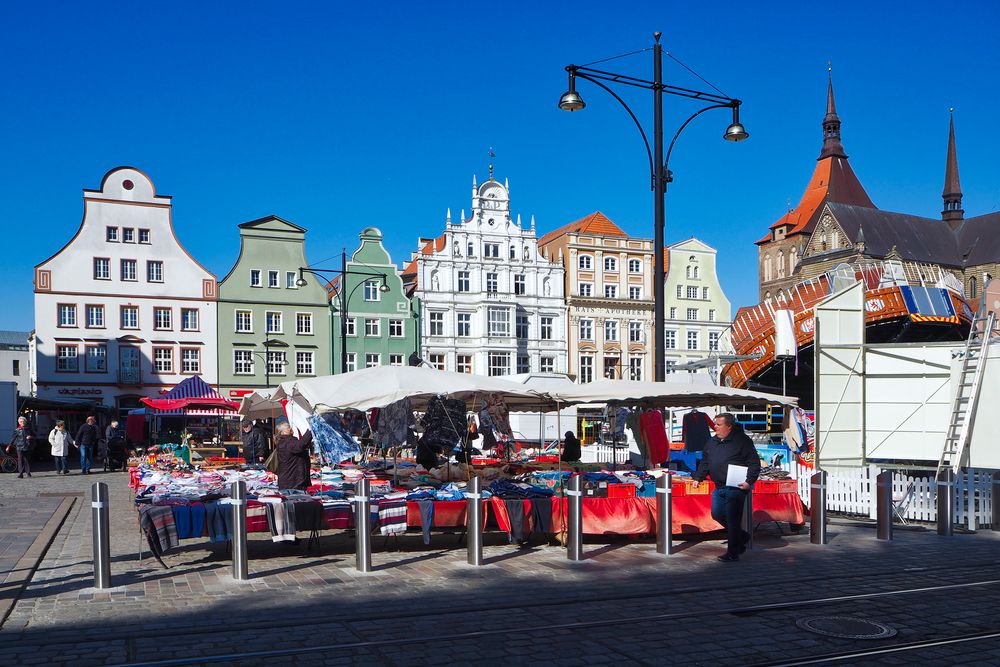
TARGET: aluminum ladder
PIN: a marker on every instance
(970, 381)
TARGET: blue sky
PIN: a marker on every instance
(339, 116)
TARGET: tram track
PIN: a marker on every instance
(875, 652)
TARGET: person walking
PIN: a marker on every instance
(293, 458)
(61, 440)
(730, 446)
(23, 440)
(571, 448)
(254, 443)
(86, 439)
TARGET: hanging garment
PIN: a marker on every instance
(695, 433)
(189, 520)
(392, 516)
(394, 421)
(541, 515)
(633, 421)
(496, 408)
(281, 520)
(219, 521)
(157, 522)
(426, 518)
(334, 442)
(444, 423)
(656, 436)
(515, 512)
(621, 418)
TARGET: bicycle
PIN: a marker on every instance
(7, 463)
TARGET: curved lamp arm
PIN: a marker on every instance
(645, 141)
(666, 162)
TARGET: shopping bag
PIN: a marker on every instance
(271, 464)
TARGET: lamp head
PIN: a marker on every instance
(736, 131)
(571, 100)
(384, 287)
(301, 282)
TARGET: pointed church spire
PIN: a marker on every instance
(447, 217)
(952, 194)
(831, 124)
(518, 220)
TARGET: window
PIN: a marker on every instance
(670, 340)
(163, 360)
(436, 361)
(154, 271)
(610, 329)
(372, 292)
(547, 365)
(492, 283)
(67, 359)
(255, 278)
(162, 319)
(190, 360)
(396, 329)
(635, 369)
(586, 369)
(243, 362)
(692, 313)
(692, 340)
(513, 252)
(634, 292)
(463, 281)
(352, 362)
(97, 359)
(102, 268)
(290, 280)
(673, 313)
(972, 287)
(680, 291)
(464, 363)
(463, 324)
(95, 317)
(372, 360)
(586, 329)
(16, 370)
(395, 360)
(129, 316)
(111, 234)
(304, 324)
(713, 341)
(635, 266)
(523, 363)
(611, 291)
(769, 267)
(244, 321)
(128, 235)
(498, 363)
(351, 327)
(272, 279)
(610, 264)
(471, 250)
(143, 236)
(435, 323)
(497, 321)
(586, 263)
(491, 250)
(692, 292)
(304, 363)
(688, 273)
(586, 289)
(545, 328)
(711, 314)
(519, 284)
(67, 315)
(521, 327)
(704, 293)
(130, 271)
(611, 369)
(635, 332)
(189, 319)
(273, 322)
(373, 326)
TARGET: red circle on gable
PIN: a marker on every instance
(127, 184)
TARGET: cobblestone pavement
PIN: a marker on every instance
(425, 605)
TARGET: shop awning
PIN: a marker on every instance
(192, 397)
(202, 403)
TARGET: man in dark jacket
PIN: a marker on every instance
(254, 443)
(729, 446)
(87, 437)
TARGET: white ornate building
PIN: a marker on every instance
(491, 303)
(122, 310)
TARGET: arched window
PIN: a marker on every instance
(513, 252)
(767, 268)
(472, 249)
(793, 259)
(767, 295)
(696, 272)
(610, 264)
(972, 287)
(781, 264)
(689, 272)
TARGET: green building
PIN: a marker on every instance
(270, 329)
(383, 324)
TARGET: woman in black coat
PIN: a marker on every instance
(571, 448)
(293, 458)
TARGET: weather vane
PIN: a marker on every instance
(492, 155)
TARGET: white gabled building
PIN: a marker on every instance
(122, 310)
(491, 304)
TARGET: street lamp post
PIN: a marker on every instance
(383, 288)
(268, 344)
(659, 173)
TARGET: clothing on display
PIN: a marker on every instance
(332, 439)
(696, 427)
(394, 422)
(634, 423)
(426, 518)
(444, 423)
(392, 516)
(655, 434)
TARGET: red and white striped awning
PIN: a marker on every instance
(192, 397)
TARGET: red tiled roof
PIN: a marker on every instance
(596, 223)
(431, 247)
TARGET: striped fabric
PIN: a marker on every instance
(193, 387)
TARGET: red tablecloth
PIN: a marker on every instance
(447, 514)
(629, 516)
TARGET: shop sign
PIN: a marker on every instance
(239, 393)
(81, 392)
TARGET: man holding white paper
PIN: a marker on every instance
(731, 460)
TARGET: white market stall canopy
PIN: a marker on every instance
(261, 404)
(680, 392)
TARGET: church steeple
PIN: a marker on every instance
(831, 125)
(952, 194)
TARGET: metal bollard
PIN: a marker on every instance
(238, 499)
(101, 534)
(574, 519)
(363, 526)
(665, 514)
(995, 501)
(883, 504)
(474, 523)
(817, 508)
(945, 501)
(748, 518)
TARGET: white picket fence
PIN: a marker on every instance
(852, 491)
